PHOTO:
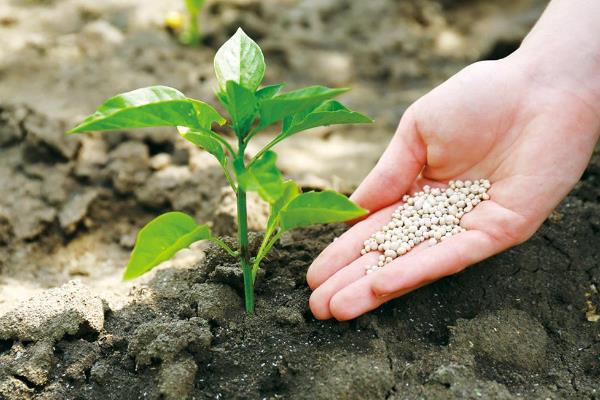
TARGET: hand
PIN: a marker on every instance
(531, 138)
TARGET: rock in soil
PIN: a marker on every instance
(15, 389)
(32, 362)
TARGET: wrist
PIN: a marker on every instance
(576, 93)
(562, 52)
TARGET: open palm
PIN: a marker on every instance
(491, 120)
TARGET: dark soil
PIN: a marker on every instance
(513, 326)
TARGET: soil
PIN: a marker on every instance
(511, 327)
(523, 324)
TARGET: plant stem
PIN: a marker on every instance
(251, 135)
(259, 255)
(224, 142)
(258, 155)
(243, 240)
(224, 246)
(265, 248)
(228, 178)
(191, 34)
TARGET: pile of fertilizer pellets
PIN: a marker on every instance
(432, 215)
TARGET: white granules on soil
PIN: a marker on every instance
(432, 215)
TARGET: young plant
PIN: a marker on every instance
(187, 30)
(239, 67)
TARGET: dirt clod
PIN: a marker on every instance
(371, 376)
(32, 362)
(216, 301)
(66, 310)
(167, 340)
(454, 382)
(79, 357)
(510, 337)
(176, 378)
(75, 210)
(15, 389)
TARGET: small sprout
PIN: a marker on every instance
(239, 67)
(186, 27)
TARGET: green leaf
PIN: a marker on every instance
(241, 104)
(150, 106)
(268, 92)
(206, 140)
(279, 107)
(160, 239)
(330, 112)
(240, 60)
(318, 208)
(263, 177)
(290, 191)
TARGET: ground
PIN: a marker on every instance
(519, 325)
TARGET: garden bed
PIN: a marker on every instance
(511, 327)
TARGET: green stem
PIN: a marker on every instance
(233, 154)
(224, 246)
(191, 34)
(225, 143)
(228, 177)
(243, 241)
(263, 252)
(251, 135)
(264, 150)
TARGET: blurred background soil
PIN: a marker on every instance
(70, 206)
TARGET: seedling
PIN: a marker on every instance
(187, 30)
(239, 68)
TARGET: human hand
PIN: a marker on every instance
(529, 135)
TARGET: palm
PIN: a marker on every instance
(485, 122)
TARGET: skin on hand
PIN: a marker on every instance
(530, 137)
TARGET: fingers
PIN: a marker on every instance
(346, 248)
(404, 275)
(396, 170)
(493, 229)
(319, 299)
(356, 299)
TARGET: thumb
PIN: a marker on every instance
(397, 168)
